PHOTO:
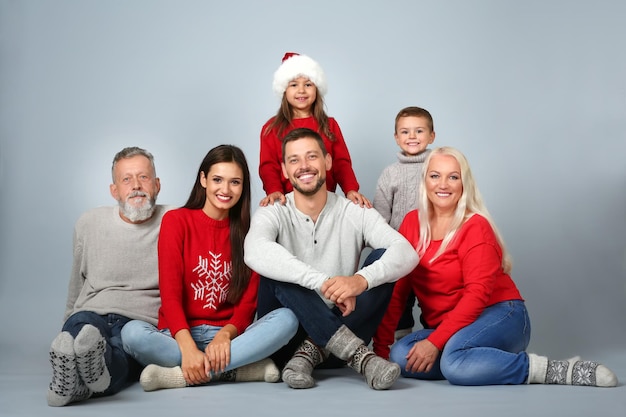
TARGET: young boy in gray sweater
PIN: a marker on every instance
(397, 187)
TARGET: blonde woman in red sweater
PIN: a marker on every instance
(476, 326)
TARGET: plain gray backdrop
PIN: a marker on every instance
(533, 92)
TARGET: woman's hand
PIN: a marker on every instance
(218, 350)
(194, 365)
(421, 357)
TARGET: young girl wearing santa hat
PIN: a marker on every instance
(301, 84)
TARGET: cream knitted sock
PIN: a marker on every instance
(155, 377)
(263, 370)
(574, 371)
(66, 386)
(89, 347)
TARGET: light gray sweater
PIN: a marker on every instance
(115, 267)
(397, 187)
(286, 245)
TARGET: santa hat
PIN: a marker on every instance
(295, 65)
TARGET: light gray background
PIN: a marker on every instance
(533, 92)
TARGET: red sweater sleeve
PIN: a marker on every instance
(171, 270)
(270, 159)
(342, 163)
(384, 337)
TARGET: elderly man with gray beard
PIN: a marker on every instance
(114, 279)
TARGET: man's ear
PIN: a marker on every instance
(114, 193)
(329, 162)
(282, 166)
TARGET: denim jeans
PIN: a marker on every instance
(319, 322)
(149, 345)
(490, 351)
(122, 367)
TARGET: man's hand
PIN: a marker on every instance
(340, 288)
(275, 196)
(347, 306)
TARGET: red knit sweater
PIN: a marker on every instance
(271, 158)
(194, 274)
(453, 290)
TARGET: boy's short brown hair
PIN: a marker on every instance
(415, 112)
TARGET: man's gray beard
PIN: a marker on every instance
(320, 183)
(138, 214)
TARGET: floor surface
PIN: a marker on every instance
(24, 376)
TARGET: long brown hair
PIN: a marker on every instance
(239, 214)
(284, 117)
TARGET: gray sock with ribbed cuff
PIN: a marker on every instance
(297, 373)
(379, 373)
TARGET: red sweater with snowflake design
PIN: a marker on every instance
(194, 274)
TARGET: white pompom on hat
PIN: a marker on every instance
(295, 65)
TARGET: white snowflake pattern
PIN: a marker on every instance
(214, 277)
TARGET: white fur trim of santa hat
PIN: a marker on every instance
(295, 65)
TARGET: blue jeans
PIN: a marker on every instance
(122, 367)
(319, 322)
(490, 351)
(149, 345)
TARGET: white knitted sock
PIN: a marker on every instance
(572, 371)
(89, 347)
(66, 386)
(155, 377)
(263, 370)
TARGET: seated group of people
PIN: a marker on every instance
(171, 295)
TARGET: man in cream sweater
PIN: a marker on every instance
(308, 251)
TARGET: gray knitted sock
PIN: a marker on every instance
(89, 347)
(379, 373)
(154, 377)
(574, 371)
(343, 343)
(66, 386)
(297, 372)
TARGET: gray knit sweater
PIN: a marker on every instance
(286, 245)
(115, 267)
(397, 187)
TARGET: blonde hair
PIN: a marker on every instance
(470, 203)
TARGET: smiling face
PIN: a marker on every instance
(135, 187)
(413, 134)
(444, 185)
(224, 186)
(305, 165)
(301, 93)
